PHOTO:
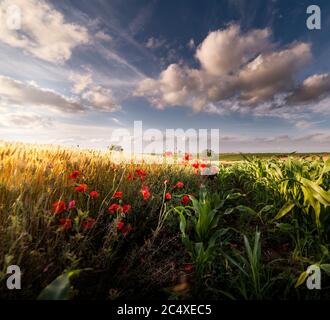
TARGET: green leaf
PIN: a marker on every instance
(60, 288)
(284, 210)
(302, 278)
(325, 267)
(245, 209)
(229, 211)
(183, 223)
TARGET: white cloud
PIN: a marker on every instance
(44, 32)
(303, 124)
(117, 121)
(96, 96)
(239, 72)
(191, 44)
(101, 98)
(29, 94)
(225, 51)
(321, 106)
(312, 89)
(25, 120)
(103, 36)
(272, 73)
(14, 92)
(80, 81)
(154, 43)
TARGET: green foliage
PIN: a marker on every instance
(251, 270)
(60, 288)
(286, 199)
(200, 231)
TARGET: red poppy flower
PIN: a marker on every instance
(88, 223)
(126, 208)
(145, 193)
(185, 200)
(203, 165)
(94, 194)
(82, 187)
(141, 173)
(130, 176)
(179, 185)
(187, 157)
(196, 171)
(72, 204)
(195, 164)
(188, 267)
(74, 175)
(168, 196)
(66, 223)
(59, 207)
(118, 194)
(120, 225)
(114, 208)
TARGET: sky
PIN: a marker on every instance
(72, 72)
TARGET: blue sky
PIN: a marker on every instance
(76, 70)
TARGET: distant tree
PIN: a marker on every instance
(208, 152)
(115, 147)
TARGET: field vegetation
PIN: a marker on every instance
(82, 226)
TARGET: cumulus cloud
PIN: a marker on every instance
(224, 51)
(313, 88)
(29, 94)
(44, 33)
(272, 73)
(101, 98)
(238, 72)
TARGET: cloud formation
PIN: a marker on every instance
(29, 94)
(314, 88)
(25, 120)
(44, 33)
(225, 51)
(101, 98)
(80, 81)
(154, 43)
(103, 36)
(14, 92)
(237, 72)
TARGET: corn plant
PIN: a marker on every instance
(251, 270)
(200, 240)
